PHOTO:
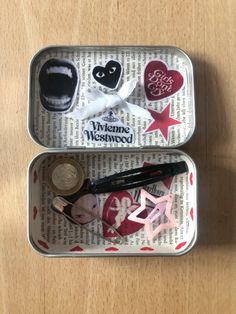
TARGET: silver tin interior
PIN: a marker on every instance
(52, 235)
(56, 130)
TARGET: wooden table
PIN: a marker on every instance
(204, 281)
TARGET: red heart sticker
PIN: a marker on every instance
(116, 210)
(159, 82)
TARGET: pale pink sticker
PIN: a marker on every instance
(163, 206)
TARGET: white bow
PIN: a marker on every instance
(102, 101)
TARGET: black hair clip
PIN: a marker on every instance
(66, 177)
(137, 177)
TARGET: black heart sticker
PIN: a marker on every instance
(109, 75)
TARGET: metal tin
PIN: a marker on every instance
(113, 139)
(52, 235)
(165, 87)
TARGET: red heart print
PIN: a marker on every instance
(180, 245)
(43, 244)
(116, 211)
(191, 213)
(35, 211)
(76, 249)
(191, 178)
(159, 82)
(146, 248)
(112, 249)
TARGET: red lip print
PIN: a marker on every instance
(43, 244)
(112, 249)
(116, 211)
(146, 248)
(35, 211)
(159, 82)
(180, 245)
(35, 177)
(76, 249)
(191, 178)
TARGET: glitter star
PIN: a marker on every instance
(162, 206)
(162, 121)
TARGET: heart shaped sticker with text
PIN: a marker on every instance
(116, 210)
(159, 82)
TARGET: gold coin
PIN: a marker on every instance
(65, 176)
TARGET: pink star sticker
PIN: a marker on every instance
(162, 206)
(162, 121)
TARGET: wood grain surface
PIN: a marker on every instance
(203, 281)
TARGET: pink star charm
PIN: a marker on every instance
(163, 205)
(162, 121)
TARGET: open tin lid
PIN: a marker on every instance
(111, 96)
